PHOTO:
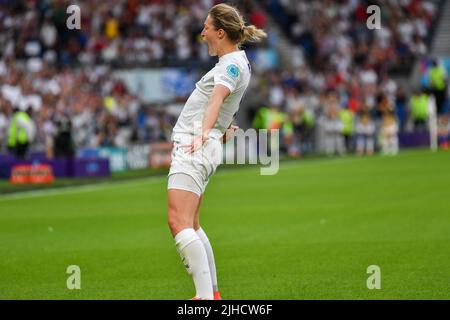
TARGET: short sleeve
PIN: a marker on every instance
(228, 75)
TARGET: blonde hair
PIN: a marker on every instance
(229, 19)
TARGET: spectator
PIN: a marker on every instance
(401, 110)
(333, 126)
(389, 133)
(419, 110)
(347, 119)
(3, 127)
(63, 142)
(21, 133)
(269, 118)
(297, 131)
(444, 132)
(365, 132)
(438, 85)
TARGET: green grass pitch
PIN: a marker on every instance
(309, 232)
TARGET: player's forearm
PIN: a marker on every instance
(211, 115)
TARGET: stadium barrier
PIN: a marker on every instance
(61, 167)
(414, 139)
(116, 156)
(141, 156)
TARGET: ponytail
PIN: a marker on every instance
(231, 21)
(252, 34)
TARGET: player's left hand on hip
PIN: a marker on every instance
(229, 133)
(195, 145)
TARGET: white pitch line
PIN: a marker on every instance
(79, 189)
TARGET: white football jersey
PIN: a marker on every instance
(233, 71)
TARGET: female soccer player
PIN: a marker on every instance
(203, 125)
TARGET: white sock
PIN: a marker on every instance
(210, 254)
(195, 260)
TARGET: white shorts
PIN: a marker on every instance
(199, 166)
(184, 181)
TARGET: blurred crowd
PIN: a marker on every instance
(61, 79)
(352, 116)
(339, 96)
(118, 32)
(125, 31)
(335, 37)
(96, 109)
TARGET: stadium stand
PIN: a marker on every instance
(341, 65)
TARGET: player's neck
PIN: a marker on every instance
(226, 50)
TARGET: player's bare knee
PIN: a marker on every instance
(172, 220)
(177, 221)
